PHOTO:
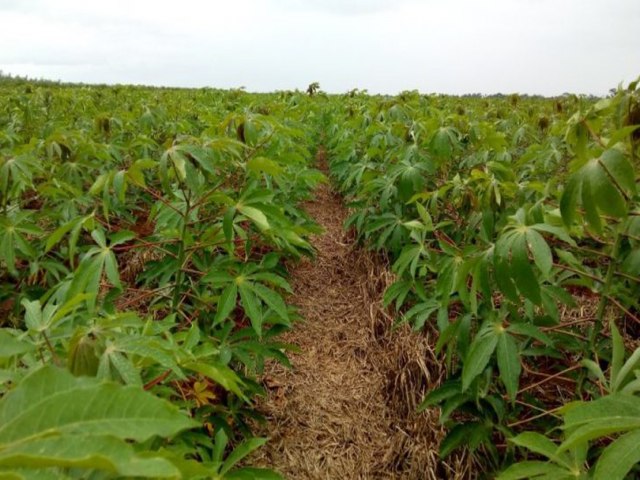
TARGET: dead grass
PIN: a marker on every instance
(347, 408)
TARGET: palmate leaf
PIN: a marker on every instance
(39, 319)
(513, 267)
(529, 330)
(251, 306)
(522, 272)
(443, 142)
(440, 394)
(226, 303)
(471, 434)
(221, 374)
(541, 252)
(570, 199)
(74, 227)
(583, 422)
(559, 465)
(622, 375)
(602, 186)
(252, 474)
(181, 160)
(502, 268)
(12, 345)
(255, 215)
(618, 459)
(31, 474)
(114, 365)
(509, 363)
(482, 348)
(273, 279)
(408, 259)
(264, 165)
(272, 299)
(53, 401)
(586, 421)
(224, 469)
(397, 291)
(410, 181)
(55, 419)
(14, 232)
(80, 451)
(533, 470)
(538, 443)
(420, 313)
(148, 347)
(240, 452)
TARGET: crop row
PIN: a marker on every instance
(513, 225)
(142, 240)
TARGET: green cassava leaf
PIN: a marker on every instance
(105, 453)
(272, 299)
(508, 363)
(221, 374)
(618, 458)
(251, 306)
(52, 418)
(534, 470)
(541, 252)
(477, 359)
(585, 421)
(226, 303)
(264, 165)
(522, 272)
(257, 216)
(538, 443)
(240, 452)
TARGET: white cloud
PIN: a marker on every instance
(458, 46)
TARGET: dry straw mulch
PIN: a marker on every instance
(347, 408)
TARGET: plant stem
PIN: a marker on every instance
(626, 311)
(535, 417)
(54, 356)
(180, 259)
(606, 288)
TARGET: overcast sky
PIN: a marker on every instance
(385, 46)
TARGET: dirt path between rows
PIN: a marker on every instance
(346, 410)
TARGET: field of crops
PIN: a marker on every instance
(146, 237)
(514, 228)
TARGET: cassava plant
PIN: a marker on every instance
(501, 227)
